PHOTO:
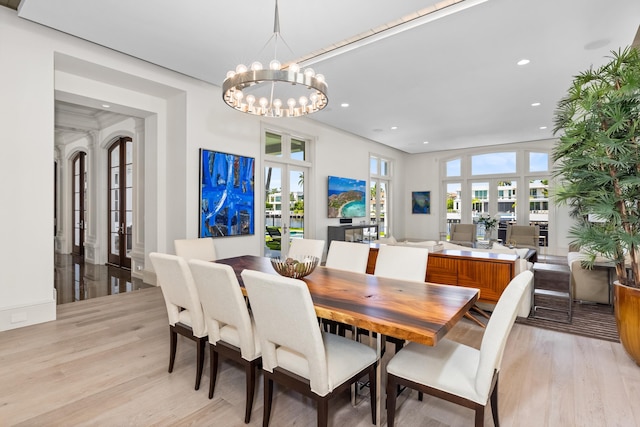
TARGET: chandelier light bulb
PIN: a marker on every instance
(291, 102)
(320, 77)
(251, 100)
(294, 67)
(230, 74)
(263, 102)
(277, 103)
(255, 66)
(241, 68)
(275, 65)
(309, 72)
(303, 101)
(238, 95)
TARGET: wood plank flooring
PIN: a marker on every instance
(104, 362)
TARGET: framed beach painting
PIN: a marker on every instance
(421, 202)
(226, 194)
(346, 197)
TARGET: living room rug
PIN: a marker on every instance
(589, 320)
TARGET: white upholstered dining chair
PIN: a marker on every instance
(348, 256)
(456, 372)
(183, 306)
(200, 248)
(295, 352)
(306, 247)
(402, 262)
(230, 327)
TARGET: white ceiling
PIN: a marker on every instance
(452, 81)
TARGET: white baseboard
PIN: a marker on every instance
(27, 315)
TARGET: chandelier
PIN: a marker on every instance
(276, 91)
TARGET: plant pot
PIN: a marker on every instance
(627, 308)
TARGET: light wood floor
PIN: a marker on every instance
(104, 362)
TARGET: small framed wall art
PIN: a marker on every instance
(421, 202)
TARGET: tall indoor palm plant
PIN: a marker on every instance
(598, 163)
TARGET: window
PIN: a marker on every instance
(286, 165)
(492, 163)
(486, 184)
(453, 167)
(379, 185)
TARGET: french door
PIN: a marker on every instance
(120, 202)
(79, 191)
(284, 206)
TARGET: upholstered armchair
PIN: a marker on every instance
(463, 234)
(523, 236)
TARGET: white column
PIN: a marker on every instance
(137, 249)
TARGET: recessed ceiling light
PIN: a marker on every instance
(344, 104)
(394, 127)
(535, 104)
(425, 142)
(543, 127)
(106, 106)
(523, 62)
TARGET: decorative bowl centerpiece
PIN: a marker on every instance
(295, 268)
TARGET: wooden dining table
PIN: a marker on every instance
(413, 311)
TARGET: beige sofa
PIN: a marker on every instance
(588, 285)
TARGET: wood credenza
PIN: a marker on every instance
(489, 272)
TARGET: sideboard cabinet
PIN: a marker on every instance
(489, 272)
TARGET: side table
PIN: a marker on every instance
(552, 292)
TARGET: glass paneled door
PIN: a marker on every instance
(79, 192)
(284, 206)
(120, 202)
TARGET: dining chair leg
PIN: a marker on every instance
(268, 394)
(494, 405)
(479, 416)
(201, 343)
(323, 412)
(213, 369)
(250, 374)
(391, 400)
(173, 340)
(373, 386)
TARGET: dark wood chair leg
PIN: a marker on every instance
(373, 384)
(323, 412)
(391, 400)
(494, 405)
(201, 343)
(268, 394)
(213, 370)
(479, 416)
(420, 396)
(173, 340)
(250, 374)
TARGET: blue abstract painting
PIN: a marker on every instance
(226, 194)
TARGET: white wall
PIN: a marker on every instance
(181, 115)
